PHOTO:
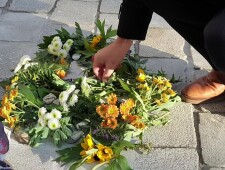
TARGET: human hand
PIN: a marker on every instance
(107, 59)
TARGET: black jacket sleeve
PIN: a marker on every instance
(134, 18)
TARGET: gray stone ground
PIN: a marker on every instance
(195, 137)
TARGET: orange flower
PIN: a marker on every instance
(110, 123)
(13, 93)
(112, 99)
(61, 73)
(139, 125)
(12, 121)
(102, 110)
(112, 111)
(133, 119)
(63, 61)
(130, 103)
(7, 87)
(5, 99)
(124, 109)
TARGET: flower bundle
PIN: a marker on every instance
(112, 115)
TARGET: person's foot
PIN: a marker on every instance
(209, 88)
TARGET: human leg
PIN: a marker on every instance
(210, 42)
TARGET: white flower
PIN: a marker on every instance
(76, 56)
(57, 45)
(18, 67)
(53, 124)
(73, 99)
(56, 38)
(71, 88)
(62, 53)
(65, 107)
(69, 42)
(66, 47)
(56, 113)
(41, 112)
(48, 117)
(27, 65)
(25, 59)
(41, 122)
(51, 50)
(63, 96)
(77, 91)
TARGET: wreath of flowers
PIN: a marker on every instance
(101, 119)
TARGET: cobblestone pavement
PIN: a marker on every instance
(194, 139)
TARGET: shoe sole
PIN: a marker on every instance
(215, 99)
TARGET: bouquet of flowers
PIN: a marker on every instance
(101, 119)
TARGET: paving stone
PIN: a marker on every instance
(158, 22)
(214, 107)
(200, 73)
(32, 5)
(28, 26)
(212, 135)
(109, 6)
(199, 61)
(3, 3)
(11, 52)
(179, 132)
(170, 66)
(217, 169)
(24, 157)
(69, 12)
(110, 20)
(162, 159)
(162, 43)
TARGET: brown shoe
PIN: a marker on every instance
(209, 88)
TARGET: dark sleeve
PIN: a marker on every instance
(134, 18)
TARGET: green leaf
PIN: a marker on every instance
(77, 164)
(67, 131)
(62, 135)
(119, 163)
(120, 145)
(24, 90)
(45, 133)
(56, 137)
(101, 26)
(124, 85)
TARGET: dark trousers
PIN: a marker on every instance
(208, 41)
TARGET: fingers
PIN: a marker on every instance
(107, 74)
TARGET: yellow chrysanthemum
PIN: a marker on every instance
(171, 92)
(164, 97)
(158, 102)
(7, 87)
(157, 80)
(124, 109)
(112, 111)
(130, 103)
(5, 99)
(144, 87)
(13, 93)
(15, 79)
(95, 41)
(102, 110)
(104, 153)
(88, 143)
(112, 99)
(141, 78)
(139, 125)
(167, 84)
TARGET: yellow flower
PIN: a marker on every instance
(88, 143)
(130, 103)
(95, 41)
(112, 111)
(124, 109)
(61, 73)
(158, 102)
(12, 121)
(112, 99)
(141, 78)
(171, 92)
(139, 125)
(140, 71)
(167, 84)
(104, 153)
(164, 97)
(157, 80)
(5, 99)
(90, 158)
(15, 79)
(13, 93)
(102, 110)
(7, 87)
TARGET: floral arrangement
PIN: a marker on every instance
(101, 119)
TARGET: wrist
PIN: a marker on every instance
(126, 43)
